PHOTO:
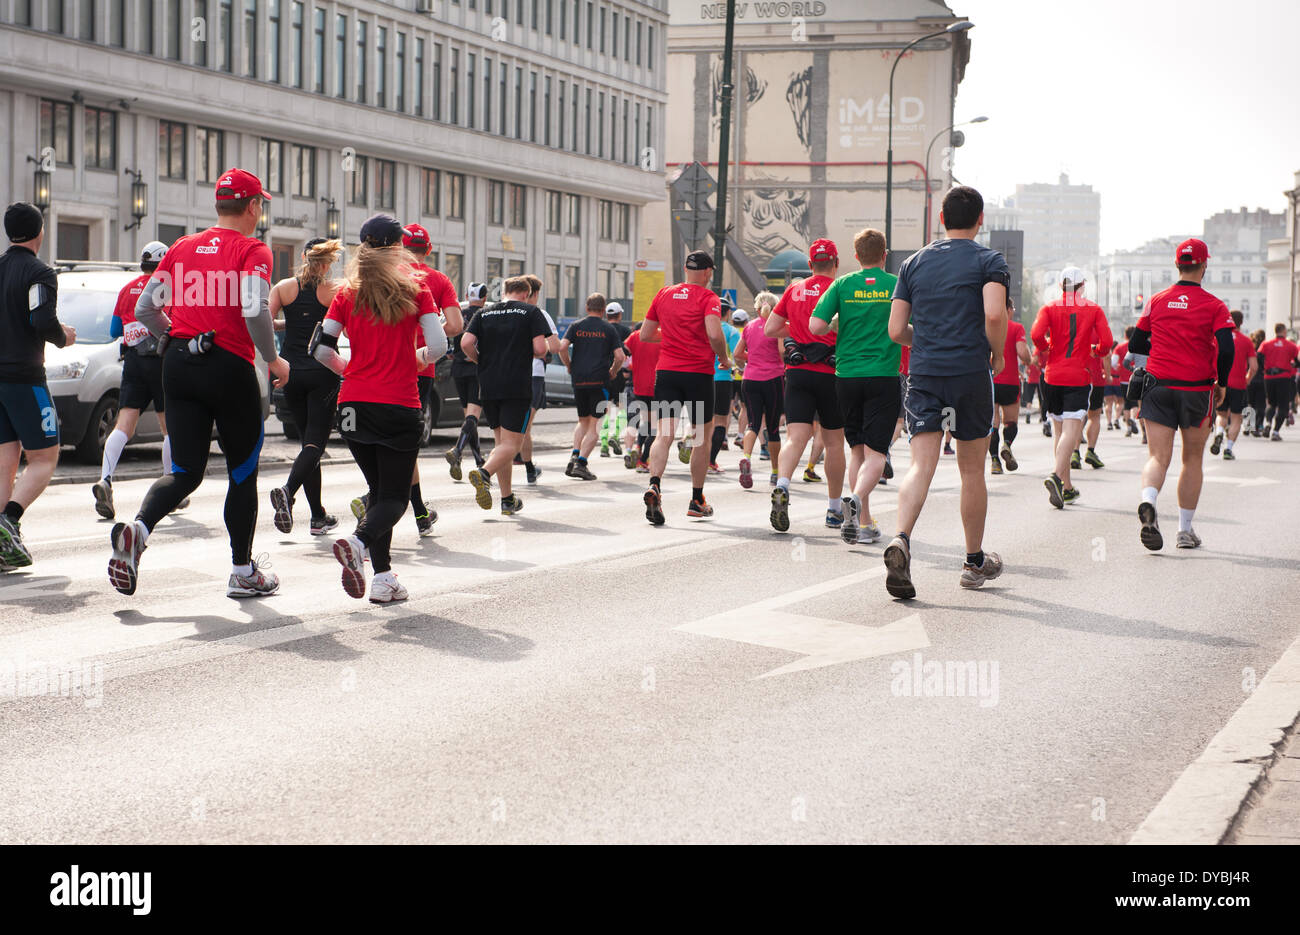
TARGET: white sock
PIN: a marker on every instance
(1185, 519)
(142, 531)
(1149, 495)
(834, 503)
(1228, 444)
(783, 483)
(167, 454)
(244, 570)
(113, 446)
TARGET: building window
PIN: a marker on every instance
(613, 32)
(564, 19)
(638, 42)
(587, 127)
(226, 36)
(437, 81)
(573, 214)
(650, 48)
(171, 149)
(341, 55)
(627, 142)
(381, 66)
(563, 114)
(432, 190)
(453, 265)
(455, 86)
(519, 12)
(304, 170)
(400, 73)
(455, 196)
(554, 212)
(622, 223)
(296, 43)
(210, 145)
(144, 26)
(501, 84)
(250, 38)
(551, 286)
(56, 130)
(496, 202)
(385, 183)
(273, 43)
(54, 16)
(1227, 275)
(357, 194)
(493, 269)
(532, 107)
(270, 165)
(116, 22)
(550, 16)
(627, 37)
(591, 22)
(516, 268)
(419, 77)
(546, 113)
(362, 39)
(600, 124)
(519, 103)
(1245, 305)
(172, 40)
(1245, 275)
(100, 138)
(518, 206)
(318, 59)
(488, 76)
(22, 12)
(605, 219)
(570, 303)
(636, 132)
(471, 63)
(573, 113)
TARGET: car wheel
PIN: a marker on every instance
(290, 430)
(90, 450)
(429, 418)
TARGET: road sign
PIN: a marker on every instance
(693, 216)
(729, 295)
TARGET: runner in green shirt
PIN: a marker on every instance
(866, 374)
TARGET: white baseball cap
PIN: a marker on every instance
(153, 252)
(739, 317)
(613, 308)
(1072, 276)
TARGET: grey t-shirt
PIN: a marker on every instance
(944, 282)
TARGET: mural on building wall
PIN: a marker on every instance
(775, 219)
(798, 94)
(754, 88)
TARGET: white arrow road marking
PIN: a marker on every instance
(820, 641)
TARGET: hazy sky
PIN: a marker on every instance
(1172, 110)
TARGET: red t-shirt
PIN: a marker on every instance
(1096, 373)
(132, 331)
(1243, 349)
(645, 361)
(382, 367)
(1278, 354)
(1033, 373)
(904, 359)
(1118, 371)
(1182, 320)
(1066, 333)
(204, 271)
(680, 311)
(1010, 375)
(796, 307)
(444, 296)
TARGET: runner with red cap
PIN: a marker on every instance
(211, 295)
(645, 362)
(1187, 334)
(810, 391)
(1006, 395)
(1244, 364)
(1279, 357)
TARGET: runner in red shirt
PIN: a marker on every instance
(1067, 333)
(1029, 388)
(1187, 334)
(685, 319)
(810, 391)
(1006, 394)
(1098, 373)
(1123, 375)
(645, 361)
(1279, 363)
(212, 290)
(1113, 403)
(1245, 363)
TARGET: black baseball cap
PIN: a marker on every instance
(699, 259)
(315, 241)
(23, 222)
(382, 230)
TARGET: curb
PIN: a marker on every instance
(1205, 802)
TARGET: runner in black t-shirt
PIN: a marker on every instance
(592, 351)
(613, 426)
(503, 340)
(465, 373)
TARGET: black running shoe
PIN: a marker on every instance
(654, 506)
(581, 471)
(1217, 444)
(888, 472)
(1150, 534)
(898, 569)
(1055, 491)
(780, 515)
(323, 525)
(282, 503)
(103, 491)
(1009, 459)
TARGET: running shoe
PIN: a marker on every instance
(1133, 427)
(1055, 491)
(184, 504)
(351, 554)
(1187, 539)
(1070, 494)
(1128, 429)
(424, 524)
(995, 466)
(834, 519)
(453, 463)
(615, 447)
(103, 491)
(898, 569)
(642, 467)
(568, 468)
(629, 460)
(698, 509)
(1217, 443)
(714, 469)
(763, 454)
(530, 473)
(323, 525)
(1144, 435)
(1092, 460)
(780, 510)
(1075, 461)
(359, 506)
(13, 552)
(849, 527)
(654, 506)
(947, 449)
(1047, 430)
(581, 471)
(1009, 459)
(810, 476)
(684, 452)
(511, 505)
(482, 489)
(282, 503)
(519, 458)
(888, 472)
(1228, 455)
(1275, 437)
(259, 583)
(1150, 534)
(1109, 425)
(972, 577)
(604, 451)
(773, 480)
(868, 533)
(124, 566)
(386, 589)
(746, 474)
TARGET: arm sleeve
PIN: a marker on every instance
(149, 308)
(326, 351)
(1140, 343)
(43, 304)
(115, 327)
(435, 336)
(255, 295)
(1223, 337)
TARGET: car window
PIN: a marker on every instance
(90, 312)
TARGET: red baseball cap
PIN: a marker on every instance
(822, 250)
(236, 183)
(413, 235)
(1191, 252)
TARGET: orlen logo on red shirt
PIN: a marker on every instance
(683, 294)
(1180, 302)
(210, 248)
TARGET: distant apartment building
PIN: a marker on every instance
(1062, 223)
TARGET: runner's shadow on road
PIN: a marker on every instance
(17, 591)
(452, 636)
(531, 524)
(439, 557)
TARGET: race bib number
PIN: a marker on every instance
(134, 333)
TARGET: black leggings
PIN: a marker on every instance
(388, 474)
(215, 388)
(640, 417)
(311, 396)
(764, 400)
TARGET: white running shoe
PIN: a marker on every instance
(258, 584)
(351, 554)
(385, 589)
(869, 533)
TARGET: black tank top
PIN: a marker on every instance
(300, 319)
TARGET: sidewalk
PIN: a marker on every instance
(1273, 817)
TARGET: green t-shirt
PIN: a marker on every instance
(862, 300)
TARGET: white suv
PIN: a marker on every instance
(85, 378)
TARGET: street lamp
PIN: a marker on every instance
(889, 158)
(40, 185)
(264, 221)
(331, 219)
(139, 198)
(956, 142)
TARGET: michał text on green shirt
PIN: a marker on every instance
(861, 300)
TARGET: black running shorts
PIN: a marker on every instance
(467, 389)
(764, 403)
(870, 406)
(1059, 400)
(384, 424)
(591, 401)
(142, 382)
(722, 397)
(1234, 401)
(28, 415)
(1096, 397)
(678, 392)
(539, 393)
(1279, 391)
(511, 415)
(1006, 394)
(1176, 408)
(961, 404)
(1114, 390)
(811, 396)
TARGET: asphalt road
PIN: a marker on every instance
(573, 674)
